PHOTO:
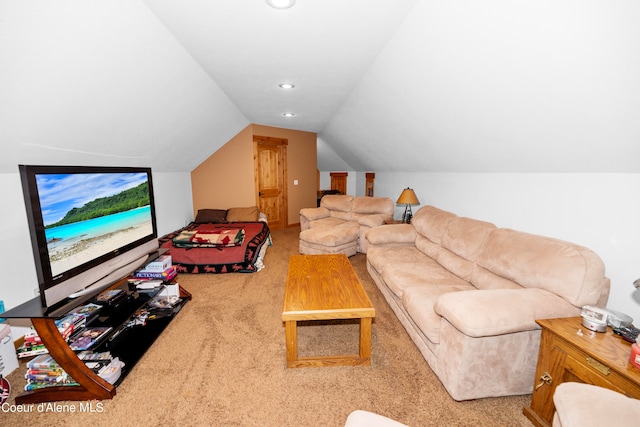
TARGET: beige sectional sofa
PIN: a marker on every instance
(468, 293)
(340, 223)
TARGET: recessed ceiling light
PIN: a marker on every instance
(288, 114)
(281, 4)
(287, 85)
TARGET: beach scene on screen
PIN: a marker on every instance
(89, 215)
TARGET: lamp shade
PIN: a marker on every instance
(408, 197)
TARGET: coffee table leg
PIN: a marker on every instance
(365, 338)
(291, 335)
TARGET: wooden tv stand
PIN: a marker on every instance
(128, 344)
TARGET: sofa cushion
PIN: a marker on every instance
(331, 236)
(501, 311)
(432, 222)
(566, 269)
(337, 202)
(380, 257)
(327, 222)
(461, 243)
(314, 214)
(345, 216)
(371, 221)
(579, 404)
(485, 279)
(409, 273)
(309, 248)
(419, 302)
(465, 236)
(392, 234)
(427, 247)
(373, 205)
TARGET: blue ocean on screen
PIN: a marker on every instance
(66, 243)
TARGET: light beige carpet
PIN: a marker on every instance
(221, 362)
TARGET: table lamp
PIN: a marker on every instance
(407, 198)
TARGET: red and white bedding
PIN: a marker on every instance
(218, 248)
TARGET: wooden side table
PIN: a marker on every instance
(571, 352)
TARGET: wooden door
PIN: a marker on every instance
(270, 163)
(370, 176)
(339, 181)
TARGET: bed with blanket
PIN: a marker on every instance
(219, 241)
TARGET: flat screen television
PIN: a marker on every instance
(90, 226)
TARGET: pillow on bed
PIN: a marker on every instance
(249, 214)
(218, 216)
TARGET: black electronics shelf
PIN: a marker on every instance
(128, 343)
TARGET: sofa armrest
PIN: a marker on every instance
(314, 213)
(391, 234)
(372, 220)
(311, 214)
(481, 313)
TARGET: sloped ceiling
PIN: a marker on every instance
(500, 86)
(104, 83)
(426, 85)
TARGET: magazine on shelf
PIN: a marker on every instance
(54, 378)
(44, 361)
(35, 385)
(70, 323)
(26, 350)
(89, 310)
(93, 356)
(164, 302)
(50, 371)
(88, 337)
(32, 338)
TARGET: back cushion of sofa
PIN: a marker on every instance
(461, 243)
(337, 202)
(482, 278)
(373, 205)
(339, 205)
(432, 222)
(566, 269)
(427, 247)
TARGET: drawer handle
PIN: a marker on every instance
(603, 369)
(544, 379)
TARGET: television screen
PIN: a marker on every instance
(86, 224)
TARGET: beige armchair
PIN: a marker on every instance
(340, 223)
(585, 405)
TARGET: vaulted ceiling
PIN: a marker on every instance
(403, 85)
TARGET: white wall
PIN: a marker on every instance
(599, 211)
(173, 207)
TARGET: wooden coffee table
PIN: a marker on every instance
(325, 287)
